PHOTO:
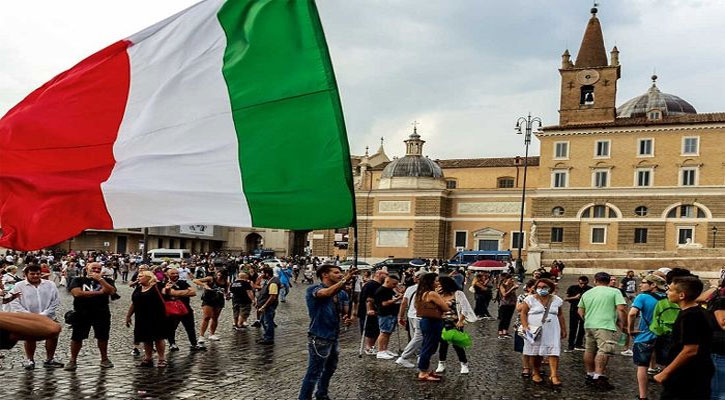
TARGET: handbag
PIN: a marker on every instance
(457, 337)
(534, 329)
(174, 308)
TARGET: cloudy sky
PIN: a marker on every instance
(465, 69)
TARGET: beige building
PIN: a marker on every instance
(639, 185)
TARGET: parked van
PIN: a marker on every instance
(158, 256)
(466, 258)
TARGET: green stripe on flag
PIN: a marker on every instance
(293, 149)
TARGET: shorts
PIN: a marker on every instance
(601, 341)
(643, 353)
(387, 323)
(101, 328)
(369, 326)
(243, 309)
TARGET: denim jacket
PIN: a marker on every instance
(324, 312)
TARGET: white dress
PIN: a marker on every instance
(549, 341)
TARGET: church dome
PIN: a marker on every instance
(412, 166)
(414, 171)
(667, 104)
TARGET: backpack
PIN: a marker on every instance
(664, 316)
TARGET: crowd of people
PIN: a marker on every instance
(671, 327)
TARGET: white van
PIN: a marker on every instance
(158, 256)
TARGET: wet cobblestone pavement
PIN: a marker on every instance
(236, 368)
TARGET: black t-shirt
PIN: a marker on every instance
(179, 285)
(96, 305)
(239, 292)
(718, 337)
(384, 294)
(368, 291)
(574, 290)
(692, 326)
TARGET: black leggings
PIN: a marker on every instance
(505, 312)
(443, 352)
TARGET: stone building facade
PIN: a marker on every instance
(640, 185)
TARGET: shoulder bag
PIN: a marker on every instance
(535, 330)
(174, 308)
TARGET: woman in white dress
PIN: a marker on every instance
(547, 342)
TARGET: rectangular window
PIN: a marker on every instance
(461, 238)
(602, 148)
(690, 145)
(688, 176)
(561, 150)
(683, 234)
(601, 178)
(504, 183)
(640, 235)
(687, 211)
(599, 235)
(557, 235)
(644, 177)
(645, 147)
(516, 240)
(559, 179)
(599, 212)
(450, 184)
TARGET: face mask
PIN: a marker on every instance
(542, 292)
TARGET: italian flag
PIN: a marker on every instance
(226, 113)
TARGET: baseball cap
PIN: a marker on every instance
(420, 273)
(655, 280)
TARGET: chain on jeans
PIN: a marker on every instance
(314, 346)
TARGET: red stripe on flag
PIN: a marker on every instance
(56, 148)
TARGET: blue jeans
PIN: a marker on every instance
(431, 329)
(283, 291)
(321, 364)
(718, 378)
(267, 321)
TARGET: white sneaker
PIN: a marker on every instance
(391, 353)
(441, 367)
(405, 363)
(464, 368)
(371, 351)
(383, 355)
(201, 340)
(214, 337)
(627, 352)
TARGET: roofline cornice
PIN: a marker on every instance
(609, 130)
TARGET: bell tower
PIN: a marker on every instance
(589, 85)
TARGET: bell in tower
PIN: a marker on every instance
(589, 85)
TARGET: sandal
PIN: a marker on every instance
(526, 373)
(146, 364)
(429, 378)
(162, 364)
(554, 385)
(538, 382)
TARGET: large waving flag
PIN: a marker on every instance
(227, 113)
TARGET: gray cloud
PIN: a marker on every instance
(465, 69)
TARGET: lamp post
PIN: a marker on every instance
(714, 234)
(525, 123)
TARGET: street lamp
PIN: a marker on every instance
(527, 124)
(714, 234)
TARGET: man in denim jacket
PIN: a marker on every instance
(326, 303)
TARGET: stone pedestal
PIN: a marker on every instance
(533, 259)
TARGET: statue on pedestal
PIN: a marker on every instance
(533, 240)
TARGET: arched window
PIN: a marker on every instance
(557, 211)
(640, 211)
(686, 211)
(505, 182)
(599, 211)
(587, 95)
